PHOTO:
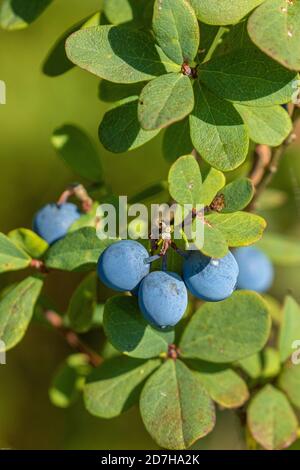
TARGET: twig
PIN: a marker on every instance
(79, 191)
(72, 338)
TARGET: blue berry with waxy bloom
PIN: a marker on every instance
(210, 279)
(122, 266)
(256, 270)
(52, 221)
(163, 298)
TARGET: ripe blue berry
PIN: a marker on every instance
(256, 270)
(163, 298)
(210, 279)
(52, 221)
(121, 266)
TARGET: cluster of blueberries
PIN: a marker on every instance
(163, 295)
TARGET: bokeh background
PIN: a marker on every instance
(31, 175)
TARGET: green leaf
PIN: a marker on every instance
(120, 129)
(78, 151)
(222, 12)
(175, 407)
(237, 195)
(177, 140)
(78, 250)
(229, 330)
(82, 304)
(275, 28)
(18, 14)
(223, 385)
(289, 382)
(248, 76)
(29, 242)
(269, 126)
(217, 131)
(185, 181)
(251, 365)
(165, 100)
(239, 228)
(118, 54)
(129, 333)
(213, 182)
(12, 258)
(16, 309)
(57, 63)
(115, 386)
(69, 380)
(282, 250)
(290, 328)
(176, 30)
(110, 92)
(133, 12)
(271, 419)
(213, 244)
(119, 11)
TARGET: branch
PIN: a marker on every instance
(79, 191)
(72, 338)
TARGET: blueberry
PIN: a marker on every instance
(52, 221)
(256, 270)
(163, 298)
(210, 279)
(121, 266)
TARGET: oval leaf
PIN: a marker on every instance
(175, 407)
(78, 151)
(275, 28)
(176, 29)
(16, 310)
(185, 181)
(272, 420)
(118, 54)
(269, 126)
(165, 100)
(213, 182)
(12, 258)
(237, 195)
(129, 333)
(217, 131)
(223, 385)
(120, 129)
(257, 81)
(115, 386)
(239, 228)
(28, 241)
(229, 330)
(78, 250)
(222, 12)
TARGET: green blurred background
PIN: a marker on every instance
(32, 175)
